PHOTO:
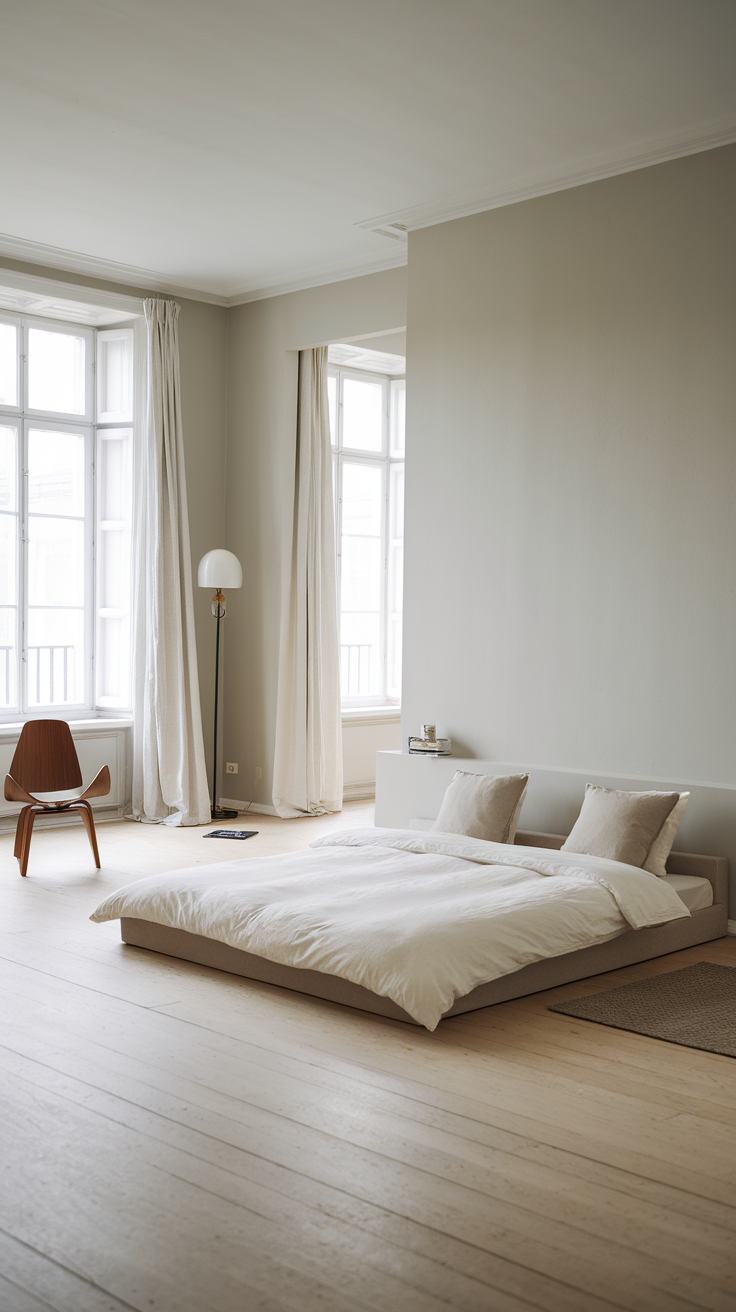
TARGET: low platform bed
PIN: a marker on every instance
(629, 947)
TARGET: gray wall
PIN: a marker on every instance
(570, 587)
(264, 338)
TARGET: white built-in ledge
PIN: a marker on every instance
(365, 715)
(98, 724)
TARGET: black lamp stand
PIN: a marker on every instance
(218, 610)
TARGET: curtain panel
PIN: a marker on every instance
(308, 753)
(169, 773)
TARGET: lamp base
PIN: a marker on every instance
(218, 814)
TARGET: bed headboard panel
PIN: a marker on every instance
(409, 786)
(714, 868)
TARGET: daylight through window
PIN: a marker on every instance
(367, 427)
(65, 516)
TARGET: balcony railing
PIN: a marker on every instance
(6, 673)
(355, 669)
(50, 674)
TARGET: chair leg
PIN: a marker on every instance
(85, 810)
(19, 831)
(33, 811)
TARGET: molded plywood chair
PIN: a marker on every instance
(46, 762)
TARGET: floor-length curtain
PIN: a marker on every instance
(169, 774)
(308, 757)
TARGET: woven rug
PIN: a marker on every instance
(695, 1007)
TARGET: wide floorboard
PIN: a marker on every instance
(178, 1139)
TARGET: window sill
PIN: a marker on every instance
(91, 727)
(365, 715)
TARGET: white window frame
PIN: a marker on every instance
(25, 418)
(383, 460)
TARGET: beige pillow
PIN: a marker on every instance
(483, 806)
(620, 826)
(662, 845)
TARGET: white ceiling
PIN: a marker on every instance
(235, 147)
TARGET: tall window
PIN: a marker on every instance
(367, 427)
(65, 509)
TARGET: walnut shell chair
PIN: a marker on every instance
(46, 762)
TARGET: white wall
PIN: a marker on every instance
(571, 401)
(264, 338)
(361, 739)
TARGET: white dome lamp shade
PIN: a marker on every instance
(219, 569)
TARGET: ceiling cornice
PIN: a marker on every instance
(321, 275)
(652, 150)
(93, 266)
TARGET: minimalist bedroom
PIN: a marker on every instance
(367, 468)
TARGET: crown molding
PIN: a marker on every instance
(593, 168)
(93, 266)
(321, 275)
(31, 252)
(652, 150)
(69, 291)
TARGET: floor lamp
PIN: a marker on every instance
(219, 569)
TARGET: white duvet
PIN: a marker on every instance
(416, 917)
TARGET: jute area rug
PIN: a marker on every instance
(695, 1006)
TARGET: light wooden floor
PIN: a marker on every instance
(182, 1140)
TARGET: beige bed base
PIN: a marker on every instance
(634, 945)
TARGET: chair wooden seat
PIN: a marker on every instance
(46, 761)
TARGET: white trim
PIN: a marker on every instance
(592, 168)
(89, 728)
(36, 252)
(731, 928)
(608, 164)
(102, 814)
(359, 792)
(257, 808)
(68, 291)
(151, 280)
(366, 715)
(320, 276)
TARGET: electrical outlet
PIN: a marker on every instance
(259, 772)
(231, 767)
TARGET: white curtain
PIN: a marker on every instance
(169, 774)
(308, 757)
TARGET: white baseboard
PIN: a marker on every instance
(731, 928)
(364, 792)
(102, 815)
(258, 808)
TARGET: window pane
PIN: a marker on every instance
(8, 468)
(8, 548)
(361, 574)
(395, 580)
(332, 404)
(55, 473)
(8, 657)
(362, 415)
(8, 370)
(360, 655)
(55, 657)
(113, 487)
(361, 499)
(115, 375)
(56, 372)
(398, 416)
(56, 562)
